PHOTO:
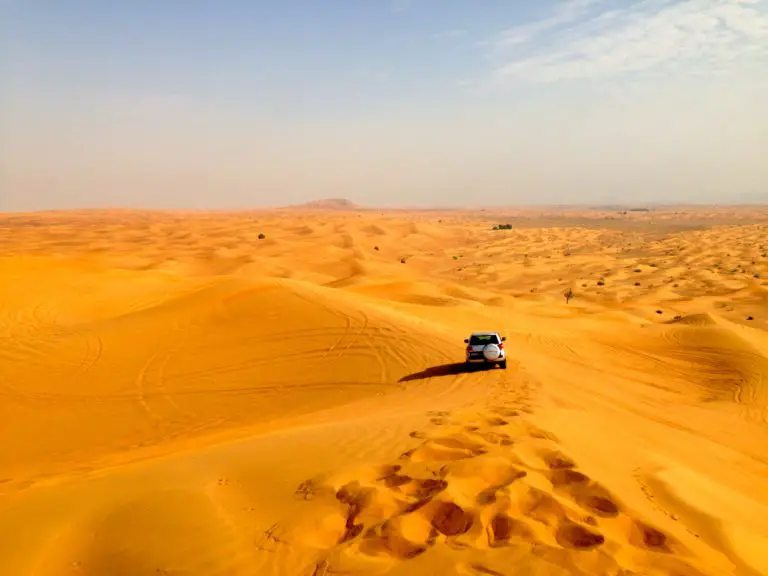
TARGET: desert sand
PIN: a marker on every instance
(280, 392)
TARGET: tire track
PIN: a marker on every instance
(361, 333)
(318, 302)
(140, 384)
(745, 370)
(94, 348)
(160, 382)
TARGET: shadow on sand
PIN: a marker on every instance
(443, 370)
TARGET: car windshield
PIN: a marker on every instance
(481, 339)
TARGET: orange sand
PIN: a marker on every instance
(180, 397)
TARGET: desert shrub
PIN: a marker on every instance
(568, 295)
(503, 227)
(262, 236)
(601, 283)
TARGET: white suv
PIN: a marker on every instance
(486, 348)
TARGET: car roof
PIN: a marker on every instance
(484, 334)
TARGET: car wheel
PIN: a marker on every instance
(503, 364)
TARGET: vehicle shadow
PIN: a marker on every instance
(441, 370)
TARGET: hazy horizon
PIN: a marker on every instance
(410, 103)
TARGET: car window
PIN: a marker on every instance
(477, 340)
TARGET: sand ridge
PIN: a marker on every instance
(281, 392)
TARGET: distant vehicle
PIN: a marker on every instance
(486, 348)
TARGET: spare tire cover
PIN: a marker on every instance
(491, 352)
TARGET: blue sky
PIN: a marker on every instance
(386, 102)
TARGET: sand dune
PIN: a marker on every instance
(281, 392)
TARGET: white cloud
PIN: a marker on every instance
(569, 12)
(593, 38)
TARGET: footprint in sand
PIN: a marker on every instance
(588, 494)
(407, 454)
(496, 421)
(426, 489)
(439, 417)
(505, 412)
(503, 529)
(498, 438)
(419, 489)
(386, 540)
(451, 519)
(571, 535)
(644, 536)
(556, 460)
(524, 493)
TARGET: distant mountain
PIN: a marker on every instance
(328, 204)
